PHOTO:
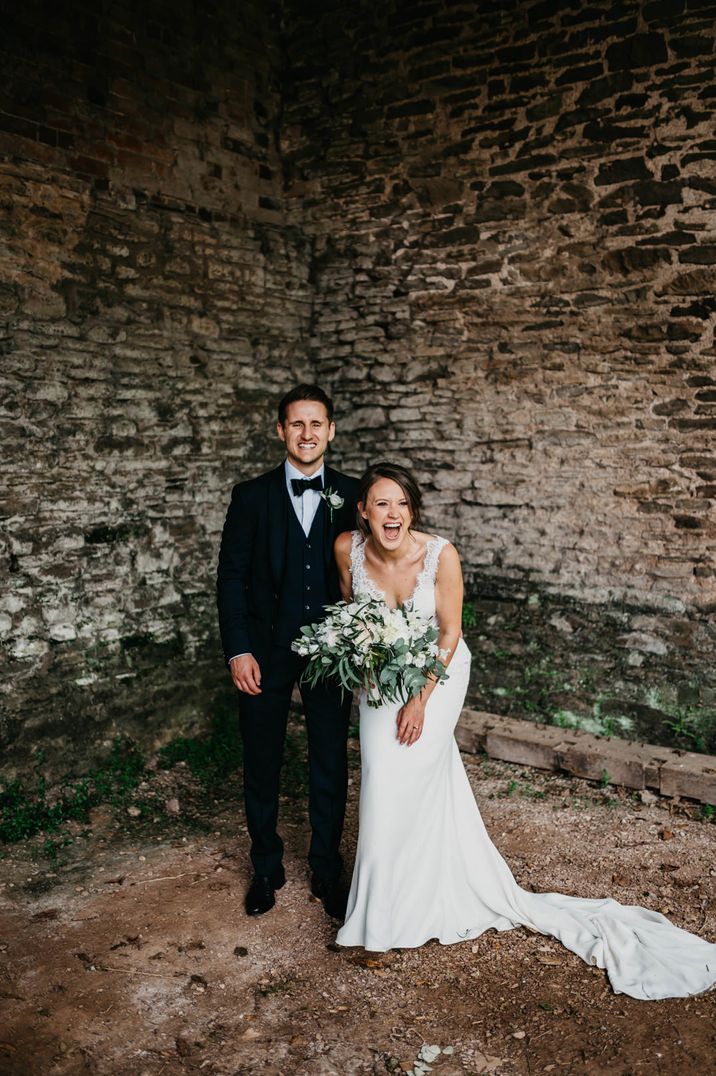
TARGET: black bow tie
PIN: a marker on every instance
(300, 485)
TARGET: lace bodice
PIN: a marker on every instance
(422, 600)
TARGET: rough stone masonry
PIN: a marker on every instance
(488, 227)
(154, 302)
(512, 207)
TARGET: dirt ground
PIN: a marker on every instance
(132, 956)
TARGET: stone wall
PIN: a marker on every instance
(489, 227)
(515, 260)
(154, 303)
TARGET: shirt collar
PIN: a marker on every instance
(293, 472)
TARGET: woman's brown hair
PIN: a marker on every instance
(407, 482)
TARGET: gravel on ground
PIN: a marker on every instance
(132, 956)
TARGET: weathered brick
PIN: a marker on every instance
(622, 170)
(652, 192)
(640, 50)
(705, 254)
(691, 775)
(581, 73)
(471, 730)
(613, 763)
(599, 89)
(528, 746)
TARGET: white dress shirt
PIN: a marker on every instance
(307, 504)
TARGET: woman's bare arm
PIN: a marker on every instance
(448, 607)
(342, 553)
(448, 600)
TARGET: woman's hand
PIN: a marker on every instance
(411, 719)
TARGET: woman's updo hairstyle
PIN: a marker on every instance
(407, 482)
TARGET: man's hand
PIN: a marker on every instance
(246, 674)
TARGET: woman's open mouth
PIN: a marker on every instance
(392, 531)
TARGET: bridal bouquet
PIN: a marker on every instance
(391, 653)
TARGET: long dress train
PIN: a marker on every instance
(426, 868)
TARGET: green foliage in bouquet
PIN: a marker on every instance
(389, 653)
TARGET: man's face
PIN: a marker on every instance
(306, 433)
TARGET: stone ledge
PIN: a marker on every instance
(598, 758)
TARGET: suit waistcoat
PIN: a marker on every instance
(304, 590)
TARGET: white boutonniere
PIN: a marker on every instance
(333, 500)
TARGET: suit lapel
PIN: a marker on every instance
(277, 518)
(328, 536)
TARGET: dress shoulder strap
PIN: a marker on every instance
(357, 544)
(433, 550)
(357, 565)
(363, 585)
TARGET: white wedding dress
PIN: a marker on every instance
(426, 868)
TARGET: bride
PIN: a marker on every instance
(425, 866)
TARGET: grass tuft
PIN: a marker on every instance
(27, 810)
(210, 758)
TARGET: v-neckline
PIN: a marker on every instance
(381, 593)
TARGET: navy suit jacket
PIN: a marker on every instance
(253, 553)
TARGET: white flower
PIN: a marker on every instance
(390, 634)
(333, 500)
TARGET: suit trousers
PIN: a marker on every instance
(263, 730)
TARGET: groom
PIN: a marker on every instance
(276, 572)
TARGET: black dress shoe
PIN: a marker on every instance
(333, 894)
(260, 897)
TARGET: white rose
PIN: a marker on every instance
(389, 634)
